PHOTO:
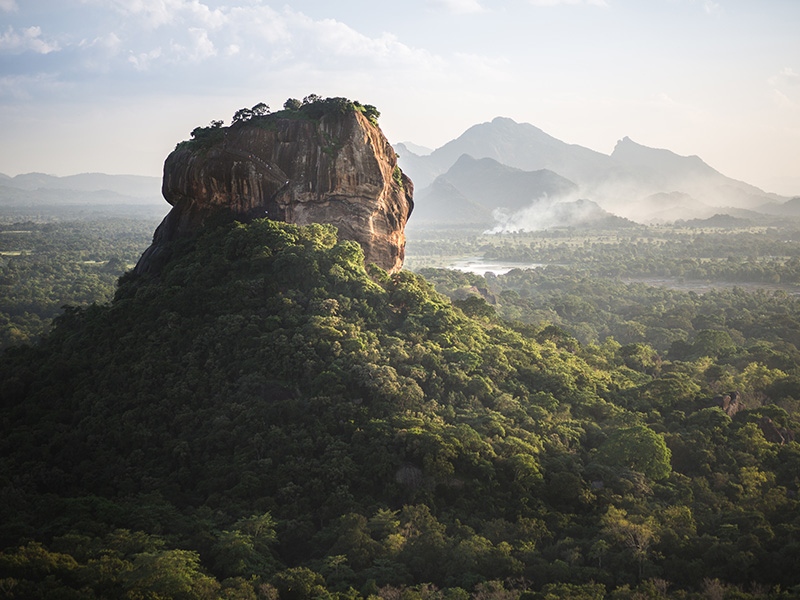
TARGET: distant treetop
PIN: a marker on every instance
(315, 107)
(310, 107)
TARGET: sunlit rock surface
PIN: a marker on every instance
(338, 169)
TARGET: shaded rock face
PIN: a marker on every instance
(338, 169)
(731, 403)
(775, 434)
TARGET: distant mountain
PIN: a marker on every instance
(518, 145)
(720, 221)
(472, 190)
(790, 208)
(484, 193)
(659, 163)
(76, 196)
(628, 182)
(136, 186)
(15, 196)
(661, 170)
(495, 185)
(420, 168)
(71, 204)
(415, 148)
(441, 204)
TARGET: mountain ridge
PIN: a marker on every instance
(619, 182)
(476, 190)
(123, 184)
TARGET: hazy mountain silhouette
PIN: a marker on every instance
(719, 221)
(662, 170)
(519, 145)
(659, 163)
(495, 185)
(415, 148)
(442, 204)
(790, 208)
(125, 185)
(473, 189)
(81, 196)
(623, 183)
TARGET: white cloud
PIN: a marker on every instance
(663, 100)
(459, 6)
(785, 76)
(255, 23)
(8, 5)
(143, 60)
(188, 31)
(199, 47)
(789, 76)
(486, 68)
(110, 42)
(786, 88)
(783, 101)
(25, 40)
(602, 3)
(156, 13)
(99, 53)
(329, 41)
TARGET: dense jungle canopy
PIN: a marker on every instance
(269, 418)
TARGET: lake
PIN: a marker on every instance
(480, 266)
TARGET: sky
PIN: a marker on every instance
(112, 85)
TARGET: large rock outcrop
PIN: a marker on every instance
(336, 168)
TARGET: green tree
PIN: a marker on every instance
(714, 343)
(292, 104)
(300, 583)
(260, 109)
(242, 115)
(635, 533)
(171, 574)
(638, 448)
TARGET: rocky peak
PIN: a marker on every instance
(331, 165)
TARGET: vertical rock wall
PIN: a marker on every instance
(337, 169)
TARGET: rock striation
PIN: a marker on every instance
(335, 168)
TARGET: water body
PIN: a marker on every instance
(481, 266)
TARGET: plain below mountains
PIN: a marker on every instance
(503, 173)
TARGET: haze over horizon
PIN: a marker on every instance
(111, 86)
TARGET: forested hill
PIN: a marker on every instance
(267, 418)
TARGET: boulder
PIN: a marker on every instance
(730, 403)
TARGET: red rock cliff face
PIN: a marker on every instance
(338, 169)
